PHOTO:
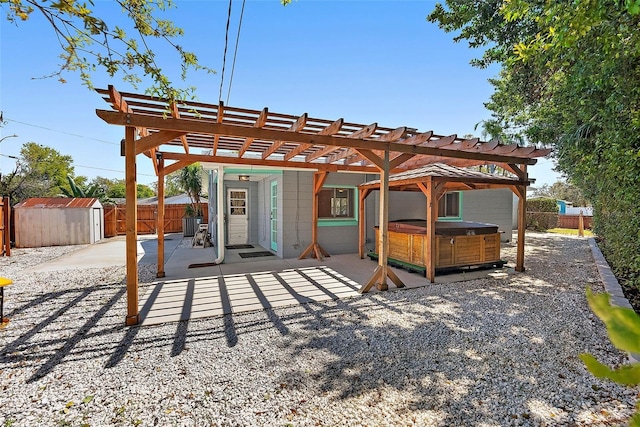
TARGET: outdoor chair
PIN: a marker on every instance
(201, 237)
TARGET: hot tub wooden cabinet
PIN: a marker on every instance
(458, 244)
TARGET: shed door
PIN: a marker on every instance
(238, 216)
(97, 224)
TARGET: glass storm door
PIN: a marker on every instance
(274, 215)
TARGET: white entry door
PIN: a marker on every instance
(237, 216)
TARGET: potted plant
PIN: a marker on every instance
(191, 182)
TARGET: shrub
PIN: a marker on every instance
(542, 204)
(542, 214)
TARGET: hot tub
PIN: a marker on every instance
(458, 243)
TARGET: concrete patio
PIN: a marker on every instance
(193, 287)
(246, 284)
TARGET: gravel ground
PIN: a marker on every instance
(490, 352)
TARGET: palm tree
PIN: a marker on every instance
(191, 182)
(94, 190)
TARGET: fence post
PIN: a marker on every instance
(581, 225)
(6, 226)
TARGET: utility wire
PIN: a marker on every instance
(235, 52)
(224, 57)
(63, 132)
(79, 166)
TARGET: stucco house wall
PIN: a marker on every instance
(295, 201)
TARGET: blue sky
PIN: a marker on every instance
(364, 61)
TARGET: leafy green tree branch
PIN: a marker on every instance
(88, 42)
(623, 327)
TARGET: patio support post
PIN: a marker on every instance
(383, 235)
(160, 217)
(522, 223)
(433, 191)
(382, 271)
(432, 216)
(314, 247)
(131, 226)
(362, 195)
(521, 192)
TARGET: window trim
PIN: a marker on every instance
(342, 221)
(454, 218)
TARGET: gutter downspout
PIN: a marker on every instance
(220, 215)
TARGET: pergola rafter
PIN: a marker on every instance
(188, 132)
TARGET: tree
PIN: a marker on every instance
(564, 191)
(143, 191)
(117, 189)
(79, 191)
(569, 78)
(191, 183)
(88, 191)
(88, 42)
(40, 172)
(172, 186)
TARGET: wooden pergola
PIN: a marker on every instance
(434, 181)
(171, 133)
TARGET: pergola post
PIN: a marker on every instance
(432, 216)
(382, 271)
(362, 195)
(314, 247)
(521, 192)
(383, 235)
(131, 226)
(433, 191)
(160, 217)
(522, 224)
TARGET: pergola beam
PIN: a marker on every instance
(176, 114)
(153, 141)
(332, 129)
(219, 119)
(191, 158)
(392, 136)
(299, 124)
(205, 127)
(262, 119)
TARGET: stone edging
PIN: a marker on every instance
(611, 285)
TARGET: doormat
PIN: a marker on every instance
(239, 246)
(204, 264)
(255, 254)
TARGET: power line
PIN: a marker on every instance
(80, 166)
(224, 56)
(235, 52)
(63, 132)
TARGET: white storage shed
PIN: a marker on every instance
(58, 221)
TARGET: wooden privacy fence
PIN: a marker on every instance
(571, 221)
(5, 227)
(115, 219)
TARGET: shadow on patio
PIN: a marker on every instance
(183, 299)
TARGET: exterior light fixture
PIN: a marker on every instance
(243, 177)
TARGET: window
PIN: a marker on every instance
(238, 202)
(336, 203)
(449, 205)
